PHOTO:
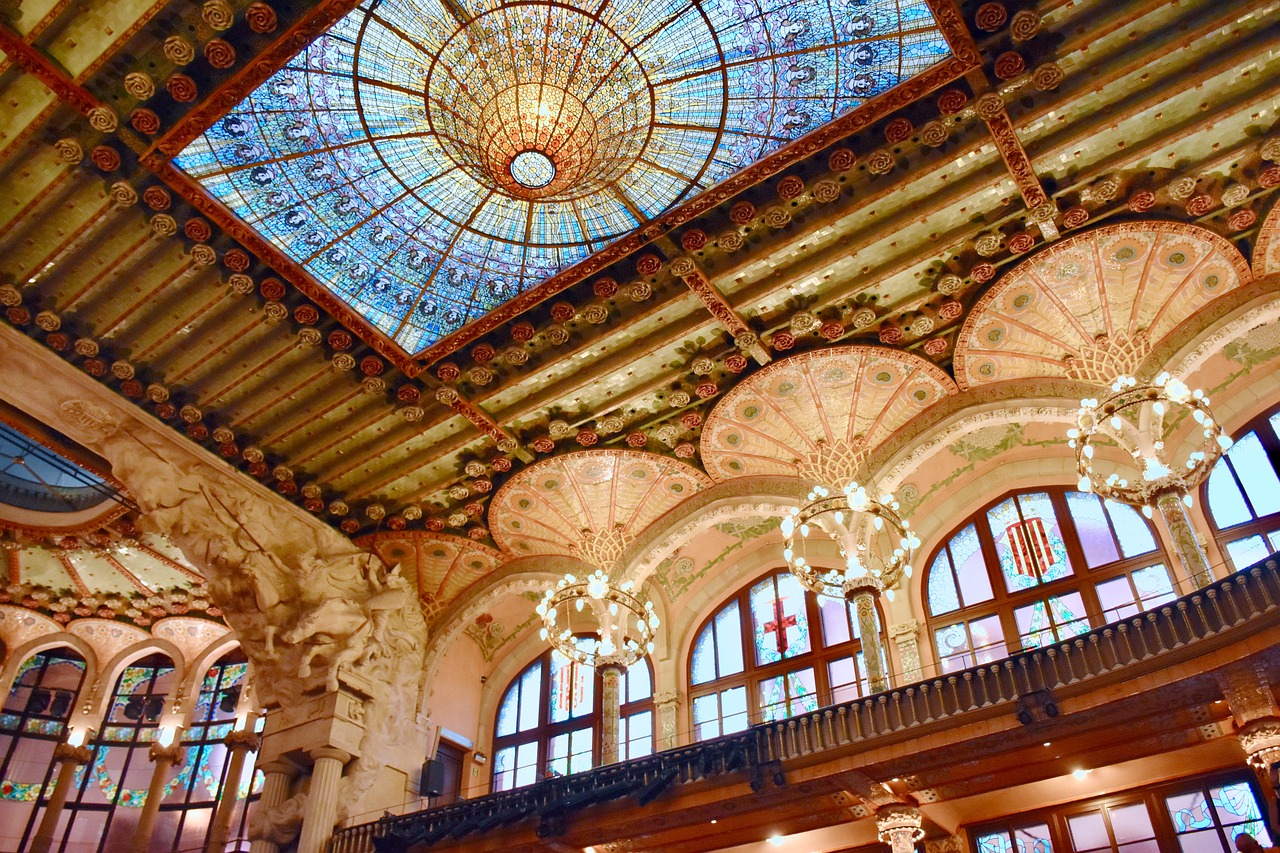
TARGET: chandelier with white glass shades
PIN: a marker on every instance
(597, 621)
(1155, 459)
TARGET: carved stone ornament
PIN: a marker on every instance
(68, 151)
(103, 119)
(1261, 741)
(217, 14)
(179, 50)
(139, 85)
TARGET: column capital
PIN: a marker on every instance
(282, 766)
(667, 697)
(1261, 741)
(77, 755)
(910, 628)
(241, 739)
(160, 753)
(329, 752)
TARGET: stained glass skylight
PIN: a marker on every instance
(427, 160)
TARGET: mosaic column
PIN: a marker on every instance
(322, 799)
(863, 599)
(1190, 554)
(239, 744)
(610, 711)
(276, 779)
(164, 758)
(69, 758)
(906, 638)
(667, 704)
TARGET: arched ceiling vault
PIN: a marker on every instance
(1094, 306)
(852, 397)
(593, 498)
(441, 565)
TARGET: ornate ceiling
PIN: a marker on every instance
(1094, 306)
(427, 161)
(884, 228)
(782, 418)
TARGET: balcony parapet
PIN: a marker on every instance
(1032, 681)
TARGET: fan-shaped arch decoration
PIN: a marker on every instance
(1266, 252)
(588, 500)
(1095, 306)
(780, 418)
(443, 565)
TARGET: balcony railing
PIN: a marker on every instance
(757, 754)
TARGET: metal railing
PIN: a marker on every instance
(759, 752)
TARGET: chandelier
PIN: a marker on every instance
(1139, 419)
(874, 541)
(597, 622)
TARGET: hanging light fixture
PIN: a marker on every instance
(874, 541)
(1139, 420)
(598, 622)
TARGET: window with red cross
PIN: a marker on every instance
(771, 651)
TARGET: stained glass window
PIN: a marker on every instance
(548, 725)
(185, 814)
(119, 773)
(1200, 815)
(427, 161)
(1040, 567)
(1243, 494)
(32, 723)
(789, 670)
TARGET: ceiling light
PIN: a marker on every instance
(775, 840)
(1080, 773)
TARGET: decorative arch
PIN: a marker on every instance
(1095, 305)
(852, 398)
(1266, 251)
(598, 498)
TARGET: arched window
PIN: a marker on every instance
(549, 716)
(185, 814)
(32, 724)
(1243, 494)
(1033, 568)
(103, 810)
(758, 658)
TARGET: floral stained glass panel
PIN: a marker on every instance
(427, 161)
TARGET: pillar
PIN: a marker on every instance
(69, 758)
(864, 604)
(1249, 695)
(1194, 562)
(667, 704)
(906, 637)
(164, 758)
(239, 743)
(276, 779)
(610, 711)
(322, 799)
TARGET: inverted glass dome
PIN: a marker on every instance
(427, 160)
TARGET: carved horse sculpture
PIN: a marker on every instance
(339, 631)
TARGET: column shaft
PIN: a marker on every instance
(164, 758)
(1185, 544)
(218, 831)
(872, 652)
(275, 790)
(70, 758)
(322, 800)
(610, 712)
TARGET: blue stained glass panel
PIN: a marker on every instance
(393, 158)
(943, 597)
(1226, 501)
(1094, 531)
(729, 658)
(704, 656)
(971, 568)
(1131, 528)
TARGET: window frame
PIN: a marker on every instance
(1003, 604)
(1259, 525)
(545, 730)
(819, 657)
(1153, 798)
